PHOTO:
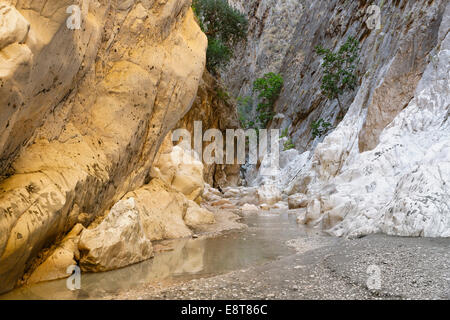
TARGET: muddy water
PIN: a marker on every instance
(264, 240)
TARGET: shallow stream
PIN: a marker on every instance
(264, 241)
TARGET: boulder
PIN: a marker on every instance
(269, 194)
(162, 211)
(197, 216)
(119, 240)
(249, 208)
(297, 201)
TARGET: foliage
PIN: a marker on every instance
(216, 54)
(339, 73)
(223, 94)
(320, 127)
(288, 145)
(268, 88)
(284, 133)
(224, 27)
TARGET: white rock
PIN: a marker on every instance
(269, 194)
(118, 241)
(249, 208)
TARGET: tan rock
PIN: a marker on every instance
(65, 255)
(269, 194)
(162, 211)
(83, 112)
(196, 216)
(180, 170)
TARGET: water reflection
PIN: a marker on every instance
(189, 258)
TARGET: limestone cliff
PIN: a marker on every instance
(216, 110)
(84, 111)
(384, 167)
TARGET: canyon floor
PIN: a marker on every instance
(267, 255)
(411, 268)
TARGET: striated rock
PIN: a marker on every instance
(84, 111)
(383, 166)
(120, 240)
(400, 187)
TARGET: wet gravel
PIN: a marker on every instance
(328, 268)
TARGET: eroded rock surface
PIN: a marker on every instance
(83, 112)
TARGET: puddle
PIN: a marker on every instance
(264, 240)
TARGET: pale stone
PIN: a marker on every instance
(249, 208)
(297, 201)
(180, 170)
(282, 205)
(269, 194)
(162, 211)
(118, 241)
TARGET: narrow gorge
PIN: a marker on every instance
(112, 164)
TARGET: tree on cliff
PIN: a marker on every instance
(224, 26)
(339, 73)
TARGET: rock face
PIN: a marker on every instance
(83, 112)
(180, 170)
(65, 255)
(384, 166)
(161, 209)
(214, 108)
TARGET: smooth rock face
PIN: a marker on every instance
(83, 112)
(118, 241)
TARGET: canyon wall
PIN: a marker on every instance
(83, 113)
(384, 165)
(216, 110)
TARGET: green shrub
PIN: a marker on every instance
(320, 127)
(224, 27)
(284, 133)
(339, 73)
(268, 88)
(217, 53)
(288, 145)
